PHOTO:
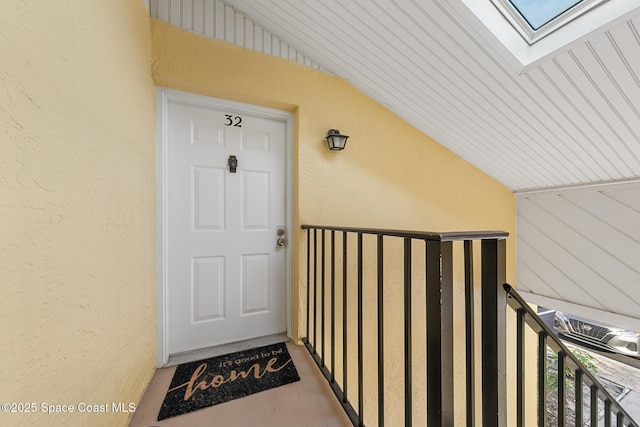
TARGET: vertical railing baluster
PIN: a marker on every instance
(520, 371)
(562, 389)
(607, 413)
(360, 334)
(315, 291)
(469, 293)
(434, 334)
(322, 298)
(578, 397)
(408, 399)
(308, 283)
(446, 334)
(494, 343)
(594, 405)
(333, 305)
(439, 306)
(345, 324)
(380, 330)
(542, 378)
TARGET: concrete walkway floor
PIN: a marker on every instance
(305, 403)
(631, 403)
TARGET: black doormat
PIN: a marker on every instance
(205, 383)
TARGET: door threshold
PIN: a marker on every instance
(219, 350)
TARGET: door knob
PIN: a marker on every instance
(281, 241)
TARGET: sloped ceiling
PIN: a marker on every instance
(573, 119)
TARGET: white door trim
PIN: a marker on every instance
(163, 96)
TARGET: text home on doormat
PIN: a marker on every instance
(204, 383)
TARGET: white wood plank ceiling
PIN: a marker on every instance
(573, 119)
(578, 251)
(217, 19)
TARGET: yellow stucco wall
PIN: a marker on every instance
(390, 176)
(77, 208)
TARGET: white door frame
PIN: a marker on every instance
(163, 96)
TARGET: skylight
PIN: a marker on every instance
(539, 12)
(531, 31)
(535, 19)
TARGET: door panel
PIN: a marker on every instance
(208, 198)
(226, 275)
(255, 198)
(255, 283)
(208, 288)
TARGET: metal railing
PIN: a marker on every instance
(599, 408)
(336, 317)
(353, 277)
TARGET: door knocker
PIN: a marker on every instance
(233, 164)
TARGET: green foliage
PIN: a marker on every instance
(552, 368)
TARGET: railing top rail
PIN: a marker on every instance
(423, 235)
(516, 301)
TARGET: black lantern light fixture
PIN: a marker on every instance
(336, 140)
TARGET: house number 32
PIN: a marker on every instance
(230, 120)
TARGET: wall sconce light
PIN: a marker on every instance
(335, 140)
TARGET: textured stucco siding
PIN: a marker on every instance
(77, 208)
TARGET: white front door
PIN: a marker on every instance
(225, 208)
